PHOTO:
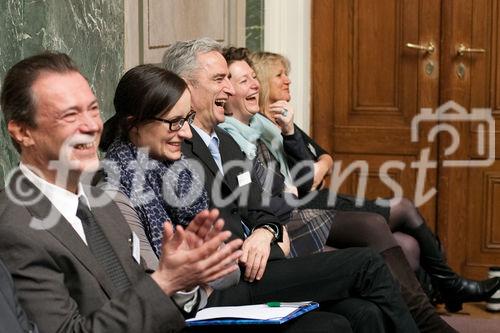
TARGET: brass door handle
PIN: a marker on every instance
(429, 48)
(462, 49)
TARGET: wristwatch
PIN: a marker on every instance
(272, 229)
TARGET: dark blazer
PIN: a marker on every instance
(59, 282)
(13, 319)
(251, 211)
(328, 276)
(300, 148)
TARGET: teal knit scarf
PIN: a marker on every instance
(263, 129)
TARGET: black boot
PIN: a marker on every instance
(453, 288)
(421, 309)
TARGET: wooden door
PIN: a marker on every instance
(368, 86)
(469, 197)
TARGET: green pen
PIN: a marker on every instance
(275, 304)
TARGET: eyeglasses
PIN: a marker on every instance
(176, 124)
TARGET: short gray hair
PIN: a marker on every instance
(180, 57)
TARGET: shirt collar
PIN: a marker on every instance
(204, 136)
(65, 201)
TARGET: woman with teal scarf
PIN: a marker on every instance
(368, 225)
(265, 137)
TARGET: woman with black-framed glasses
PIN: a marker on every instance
(144, 137)
(142, 142)
(147, 98)
(177, 123)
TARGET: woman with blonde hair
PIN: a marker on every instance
(400, 214)
(266, 140)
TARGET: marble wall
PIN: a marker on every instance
(90, 31)
(254, 25)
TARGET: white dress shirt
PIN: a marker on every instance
(67, 204)
(212, 142)
(204, 136)
(63, 200)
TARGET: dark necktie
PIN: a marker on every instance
(101, 248)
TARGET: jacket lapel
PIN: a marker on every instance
(200, 150)
(228, 154)
(116, 230)
(49, 219)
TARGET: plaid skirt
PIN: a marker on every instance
(308, 230)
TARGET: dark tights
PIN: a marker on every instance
(360, 229)
(364, 229)
(404, 216)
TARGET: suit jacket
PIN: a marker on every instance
(59, 282)
(300, 148)
(13, 319)
(250, 211)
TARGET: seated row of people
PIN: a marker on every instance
(67, 247)
(266, 133)
(147, 133)
(75, 262)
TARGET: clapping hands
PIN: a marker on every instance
(194, 256)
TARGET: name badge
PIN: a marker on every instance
(136, 248)
(244, 179)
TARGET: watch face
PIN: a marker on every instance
(272, 231)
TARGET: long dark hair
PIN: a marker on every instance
(144, 92)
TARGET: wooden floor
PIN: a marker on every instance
(474, 310)
(474, 318)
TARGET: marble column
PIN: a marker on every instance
(90, 31)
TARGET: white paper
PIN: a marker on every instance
(258, 311)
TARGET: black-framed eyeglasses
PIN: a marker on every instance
(176, 124)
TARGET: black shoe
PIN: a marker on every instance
(463, 291)
(453, 288)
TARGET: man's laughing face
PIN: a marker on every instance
(210, 88)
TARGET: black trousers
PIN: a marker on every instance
(326, 278)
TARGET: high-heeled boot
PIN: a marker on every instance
(421, 309)
(453, 288)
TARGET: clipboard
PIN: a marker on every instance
(259, 314)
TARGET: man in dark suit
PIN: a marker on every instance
(74, 261)
(326, 277)
(13, 319)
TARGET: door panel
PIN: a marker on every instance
(469, 197)
(483, 201)
(367, 87)
(452, 183)
(153, 25)
(376, 184)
